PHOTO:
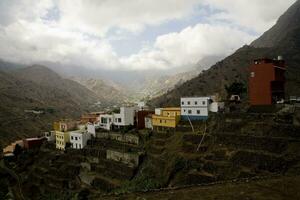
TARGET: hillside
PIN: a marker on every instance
(159, 85)
(282, 39)
(109, 91)
(37, 88)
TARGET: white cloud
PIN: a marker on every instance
(188, 46)
(255, 15)
(97, 17)
(30, 31)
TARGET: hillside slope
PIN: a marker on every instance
(235, 67)
(37, 88)
(109, 92)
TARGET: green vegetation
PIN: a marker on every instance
(236, 88)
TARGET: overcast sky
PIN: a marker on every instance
(131, 34)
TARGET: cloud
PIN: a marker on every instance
(188, 46)
(254, 15)
(97, 17)
(79, 31)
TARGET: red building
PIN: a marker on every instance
(31, 143)
(140, 118)
(266, 81)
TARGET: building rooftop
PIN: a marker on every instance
(172, 109)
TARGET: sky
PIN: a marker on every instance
(131, 35)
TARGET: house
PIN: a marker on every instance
(140, 118)
(62, 139)
(267, 81)
(50, 136)
(65, 125)
(124, 118)
(148, 122)
(32, 143)
(10, 148)
(165, 118)
(90, 117)
(195, 108)
(106, 121)
(79, 138)
(142, 106)
(91, 129)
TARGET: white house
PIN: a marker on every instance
(91, 129)
(50, 136)
(195, 108)
(79, 138)
(106, 121)
(125, 117)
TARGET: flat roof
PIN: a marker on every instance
(172, 108)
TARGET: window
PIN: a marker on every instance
(71, 137)
(189, 103)
(160, 121)
(196, 102)
(76, 138)
(203, 102)
(119, 120)
(182, 103)
(184, 110)
(189, 111)
(103, 120)
(198, 112)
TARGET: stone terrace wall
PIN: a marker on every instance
(126, 138)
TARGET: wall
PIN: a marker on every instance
(126, 138)
(140, 118)
(260, 84)
(148, 123)
(127, 116)
(197, 105)
(82, 138)
(165, 121)
(130, 159)
(62, 138)
(91, 129)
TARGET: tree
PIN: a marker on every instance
(17, 150)
(236, 88)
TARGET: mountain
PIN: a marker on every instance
(9, 66)
(282, 39)
(38, 88)
(45, 77)
(107, 90)
(155, 86)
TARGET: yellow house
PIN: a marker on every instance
(166, 117)
(62, 138)
(64, 125)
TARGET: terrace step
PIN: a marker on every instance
(105, 184)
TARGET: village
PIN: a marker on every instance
(266, 88)
(113, 143)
